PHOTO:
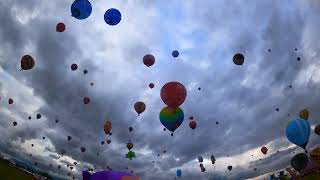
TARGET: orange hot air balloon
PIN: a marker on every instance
(129, 146)
(107, 127)
(139, 107)
(264, 150)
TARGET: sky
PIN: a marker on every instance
(207, 34)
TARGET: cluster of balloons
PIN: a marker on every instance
(82, 9)
(173, 94)
(202, 168)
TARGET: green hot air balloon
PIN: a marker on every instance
(171, 118)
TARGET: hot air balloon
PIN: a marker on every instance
(130, 129)
(315, 155)
(15, 123)
(86, 100)
(38, 116)
(148, 60)
(10, 101)
(217, 122)
(107, 127)
(264, 150)
(29, 117)
(83, 149)
(173, 94)
(200, 159)
(85, 71)
(304, 114)
(229, 168)
(269, 50)
(112, 16)
(299, 161)
(102, 143)
(27, 62)
(179, 173)
(59, 167)
(74, 67)
(81, 9)
(298, 59)
(295, 49)
(199, 88)
(57, 121)
(98, 154)
(60, 27)
(139, 107)
(108, 141)
(32, 145)
(317, 129)
(129, 146)
(192, 125)
(213, 159)
(191, 117)
(91, 84)
(69, 138)
(151, 85)
(298, 132)
(171, 118)
(71, 168)
(277, 109)
(238, 59)
(75, 163)
(175, 53)
(43, 137)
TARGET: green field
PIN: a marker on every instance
(11, 173)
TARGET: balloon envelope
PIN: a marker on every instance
(238, 59)
(299, 161)
(200, 159)
(112, 16)
(107, 127)
(60, 27)
(298, 132)
(229, 168)
(173, 94)
(139, 107)
(304, 114)
(179, 173)
(175, 53)
(148, 60)
(192, 124)
(264, 150)
(171, 118)
(27, 62)
(81, 9)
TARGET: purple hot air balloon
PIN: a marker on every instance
(108, 175)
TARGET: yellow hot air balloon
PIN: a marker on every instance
(304, 114)
(315, 155)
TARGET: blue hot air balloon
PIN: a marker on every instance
(298, 132)
(81, 9)
(112, 16)
(179, 173)
(175, 53)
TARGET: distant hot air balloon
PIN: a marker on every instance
(86, 100)
(108, 141)
(317, 129)
(229, 168)
(102, 143)
(151, 85)
(199, 88)
(298, 59)
(69, 138)
(139, 107)
(15, 123)
(191, 117)
(32, 145)
(107, 127)
(85, 71)
(29, 117)
(179, 173)
(213, 159)
(43, 137)
(173, 94)
(10, 101)
(81, 9)
(27, 62)
(74, 67)
(112, 16)
(298, 132)
(200, 159)
(315, 155)
(175, 53)
(171, 118)
(148, 60)
(277, 109)
(130, 129)
(264, 150)
(38, 116)
(129, 146)
(83, 149)
(60, 27)
(304, 114)
(59, 167)
(75, 163)
(238, 59)
(192, 124)
(57, 121)
(299, 161)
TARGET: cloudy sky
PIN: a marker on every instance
(207, 34)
